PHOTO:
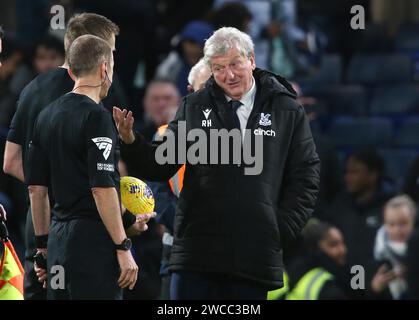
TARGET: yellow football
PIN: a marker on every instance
(136, 196)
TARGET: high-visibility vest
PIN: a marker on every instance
(11, 274)
(310, 285)
(280, 293)
(175, 182)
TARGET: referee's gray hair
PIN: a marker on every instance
(196, 70)
(402, 201)
(225, 39)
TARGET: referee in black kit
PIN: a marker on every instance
(75, 149)
(40, 92)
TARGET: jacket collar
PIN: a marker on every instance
(267, 84)
(266, 81)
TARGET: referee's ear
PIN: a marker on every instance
(72, 76)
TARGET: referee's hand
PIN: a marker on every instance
(129, 269)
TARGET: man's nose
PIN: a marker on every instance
(230, 74)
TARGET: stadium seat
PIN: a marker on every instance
(407, 38)
(347, 132)
(398, 162)
(408, 136)
(330, 72)
(393, 100)
(348, 100)
(377, 69)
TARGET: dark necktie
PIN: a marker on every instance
(235, 104)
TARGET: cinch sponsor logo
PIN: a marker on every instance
(262, 132)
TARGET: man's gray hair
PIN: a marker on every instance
(402, 201)
(196, 70)
(225, 39)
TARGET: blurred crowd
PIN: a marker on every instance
(359, 88)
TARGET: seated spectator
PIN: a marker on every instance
(357, 211)
(319, 272)
(187, 53)
(161, 101)
(11, 59)
(391, 247)
(49, 54)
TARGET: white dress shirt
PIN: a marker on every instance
(247, 101)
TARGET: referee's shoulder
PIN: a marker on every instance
(38, 84)
(97, 111)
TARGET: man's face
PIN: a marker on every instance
(233, 73)
(399, 223)
(358, 177)
(47, 59)
(107, 78)
(111, 42)
(161, 102)
(334, 246)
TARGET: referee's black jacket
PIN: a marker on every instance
(228, 222)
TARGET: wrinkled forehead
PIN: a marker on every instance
(231, 55)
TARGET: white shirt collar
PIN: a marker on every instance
(249, 97)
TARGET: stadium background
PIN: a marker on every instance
(360, 87)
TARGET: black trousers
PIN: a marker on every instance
(186, 285)
(82, 262)
(32, 287)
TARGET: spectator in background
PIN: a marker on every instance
(11, 59)
(391, 247)
(187, 53)
(320, 273)
(49, 54)
(357, 211)
(161, 101)
(4, 199)
(232, 14)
